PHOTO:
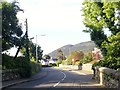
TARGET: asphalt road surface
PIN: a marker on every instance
(60, 79)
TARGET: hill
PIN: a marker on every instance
(67, 49)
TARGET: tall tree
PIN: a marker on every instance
(60, 55)
(32, 50)
(47, 56)
(11, 29)
(98, 17)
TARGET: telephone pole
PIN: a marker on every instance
(36, 50)
(27, 40)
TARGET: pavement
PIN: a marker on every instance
(39, 75)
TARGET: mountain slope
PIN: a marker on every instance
(67, 49)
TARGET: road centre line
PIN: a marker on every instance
(61, 79)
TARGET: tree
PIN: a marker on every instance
(113, 52)
(40, 53)
(99, 16)
(60, 55)
(47, 56)
(76, 56)
(11, 29)
(32, 50)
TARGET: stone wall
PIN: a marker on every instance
(10, 74)
(87, 67)
(110, 78)
(70, 67)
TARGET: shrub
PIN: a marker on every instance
(78, 63)
(35, 67)
(76, 55)
(20, 63)
(64, 62)
(8, 62)
(58, 62)
(24, 66)
(87, 58)
(68, 61)
(112, 58)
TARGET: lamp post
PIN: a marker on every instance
(37, 46)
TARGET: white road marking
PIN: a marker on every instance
(61, 79)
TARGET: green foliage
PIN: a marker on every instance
(68, 61)
(60, 55)
(112, 58)
(113, 51)
(35, 67)
(47, 56)
(24, 68)
(58, 62)
(78, 63)
(11, 29)
(32, 51)
(63, 62)
(76, 55)
(97, 17)
(88, 57)
(98, 37)
(20, 63)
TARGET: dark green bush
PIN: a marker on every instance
(35, 67)
(20, 63)
(8, 62)
(24, 66)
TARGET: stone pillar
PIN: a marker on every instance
(102, 75)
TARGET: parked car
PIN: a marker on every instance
(44, 62)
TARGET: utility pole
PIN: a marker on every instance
(27, 40)
(36, 50)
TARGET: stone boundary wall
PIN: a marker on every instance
(107, 77)
(10, 74)
(85, 67)
(70, 67)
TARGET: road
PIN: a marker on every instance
(57, 78)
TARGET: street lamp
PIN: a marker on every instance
(37, 46)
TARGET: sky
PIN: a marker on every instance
(60, 22)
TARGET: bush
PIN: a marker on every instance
(78, 63)
(76, 55)
(68, 61)
(24, 66)
(35, 67)
(87, 58)
(8, 62)
(20, 63)
(64, 62)
(58, 62)
(112, 58)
